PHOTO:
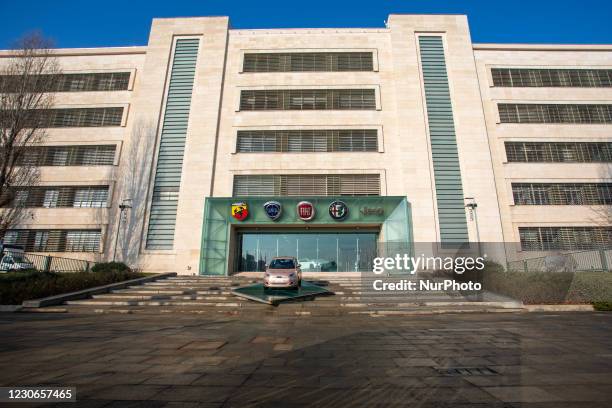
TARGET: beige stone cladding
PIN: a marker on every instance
(542, 56)
(87, 60)
(199, 158)
(403, 159)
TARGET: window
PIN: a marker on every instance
(304, 140)
(307, 185)
(582, 152)
(94, 197)
(554, 113)
(565, 238)
(94, 155)
(50, 198)
(21, 198)
(308, 62)
(55, 240)
(562, 193)
(62, 196)
(528, 77)
(40, 240)
(102, 81)
(71, 117)
(308, 99)
(82, 241)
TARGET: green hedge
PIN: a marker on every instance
(545, 287)
(110, 267)
(15, 287)
(603, 306)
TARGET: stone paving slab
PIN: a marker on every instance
(537, 360)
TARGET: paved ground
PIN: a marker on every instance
(270, 359)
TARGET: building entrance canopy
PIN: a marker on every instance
(228, 219)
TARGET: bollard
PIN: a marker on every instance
(604, 261)
(47, 264)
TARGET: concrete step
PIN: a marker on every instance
(212, 295)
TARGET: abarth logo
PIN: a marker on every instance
(273, 210)
(338, 210)
(305, 210)
(240, 210)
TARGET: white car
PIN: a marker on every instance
(15, 262)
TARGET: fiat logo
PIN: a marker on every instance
(305, 210)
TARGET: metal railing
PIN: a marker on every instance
(581, 261)
(15, 261)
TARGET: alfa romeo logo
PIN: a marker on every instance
(305, 210)
(240, 210)
(338, 210)
(273, 210)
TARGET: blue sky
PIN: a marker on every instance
(126, 22)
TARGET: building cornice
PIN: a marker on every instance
(542, 47)
(65, 52)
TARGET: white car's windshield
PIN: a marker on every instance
(282, 264)
(20, 259)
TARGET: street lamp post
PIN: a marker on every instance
(471, 205)
(123, 207)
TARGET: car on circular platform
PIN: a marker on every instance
(283, 272)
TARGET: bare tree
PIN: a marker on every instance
(134, 182)
(28, 78)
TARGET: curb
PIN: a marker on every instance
(10, 308)
(559, 308)
(85, 293)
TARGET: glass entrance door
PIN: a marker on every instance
(315, 251)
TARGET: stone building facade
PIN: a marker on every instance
(422, 135)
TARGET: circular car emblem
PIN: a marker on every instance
(338, 210)
(273, 210)
(305, 210)
(240, 210)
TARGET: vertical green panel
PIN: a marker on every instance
(172, 146)
(447, 173)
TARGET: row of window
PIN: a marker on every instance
(565, 238)
(307, 185)
(308, 62)
(55, 240)
(100, 81)
(532, 239)
(61, 196)
(562, 193)
(69, 155)
(321, 99)
(535, 77)
(554, 113)
(559, 152)
(304, 140)
(69, 117)
(366, 140)
(308, 99)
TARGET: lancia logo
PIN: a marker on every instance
(273, 210)
(305, 210)
(338, 210)
(240, 210)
